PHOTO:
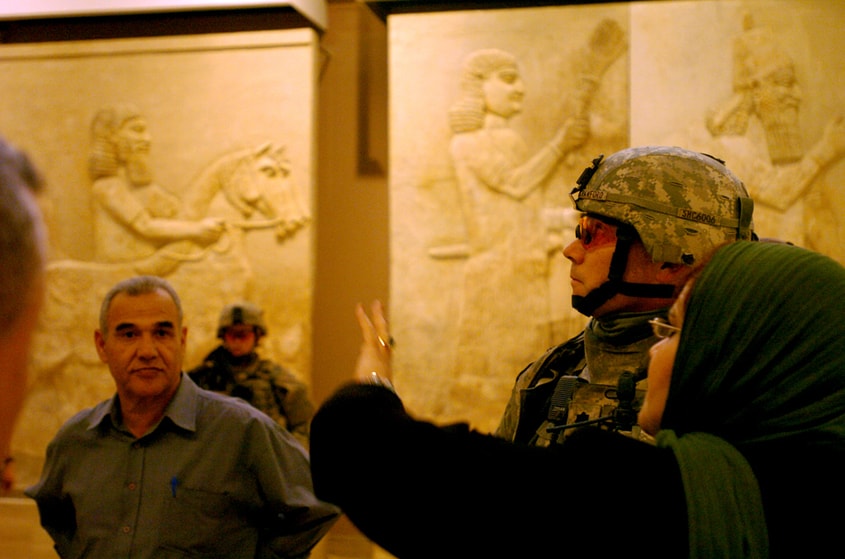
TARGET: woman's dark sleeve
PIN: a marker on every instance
(420, 490)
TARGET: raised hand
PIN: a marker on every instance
(376, 343)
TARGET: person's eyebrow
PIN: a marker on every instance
(158, 325)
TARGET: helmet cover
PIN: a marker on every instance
(242, 313)
(681, 203)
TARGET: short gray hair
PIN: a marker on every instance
(138, 285)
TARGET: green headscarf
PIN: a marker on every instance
(761, 361)
(762, 351)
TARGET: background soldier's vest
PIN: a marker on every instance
(254, 384)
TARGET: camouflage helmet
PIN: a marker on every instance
(681, 203)
(242, 313)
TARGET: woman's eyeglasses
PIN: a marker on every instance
(663, 329)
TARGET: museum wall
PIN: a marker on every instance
(374, 173)
(223, 168)
(479, 211)
(311, 298)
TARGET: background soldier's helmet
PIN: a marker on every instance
(242, 313)
(681, 203)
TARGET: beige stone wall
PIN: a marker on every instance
(210, 102)
(518, 283)
(352, 264)
(678, 66)
(760, 85)
(685, 63)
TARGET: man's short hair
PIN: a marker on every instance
(138, 285)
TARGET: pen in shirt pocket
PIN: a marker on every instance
(174, 481)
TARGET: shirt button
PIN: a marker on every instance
(132, 486)
(126, 529)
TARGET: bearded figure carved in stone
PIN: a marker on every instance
(758, 131)
(511, 231)
(135, 218)
(133, 215)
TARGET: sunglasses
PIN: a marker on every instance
(594, 233)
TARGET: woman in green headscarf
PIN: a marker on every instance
(754, 394)
(746, 398)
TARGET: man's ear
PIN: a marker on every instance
(99, 343)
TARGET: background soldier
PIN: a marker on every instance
(235, 368)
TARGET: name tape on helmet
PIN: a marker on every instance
(700, 217)
(667, 209)
(592, 195)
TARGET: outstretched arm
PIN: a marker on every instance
(422, 490)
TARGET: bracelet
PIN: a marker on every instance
(378, 380)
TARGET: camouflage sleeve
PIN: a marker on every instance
(294, 403)
(199, 375)
(510, 418)
(522, 412)
(212, 374)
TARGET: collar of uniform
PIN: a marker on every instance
(623, 328)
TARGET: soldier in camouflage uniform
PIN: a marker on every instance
(236, 369)
(649, 215)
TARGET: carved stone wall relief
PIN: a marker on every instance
(184, 157)
(501, 116)
(768, 101)
(476, 292)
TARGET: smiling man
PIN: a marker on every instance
(649, 214)
(166, 468)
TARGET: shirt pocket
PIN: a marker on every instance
(207, 524)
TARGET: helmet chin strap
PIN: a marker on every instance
(587, 304)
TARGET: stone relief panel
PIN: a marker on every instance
(188, 158)
(494, 114)
(486, 115)
(766, 96)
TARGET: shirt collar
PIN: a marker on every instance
(182, 410)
